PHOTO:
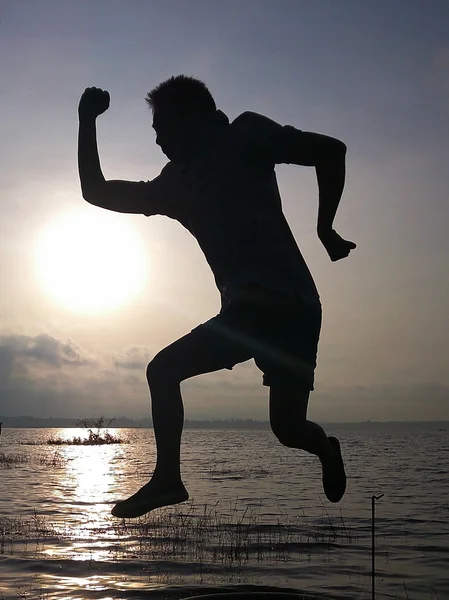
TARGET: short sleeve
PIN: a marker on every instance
(268, 139)
(161, 195)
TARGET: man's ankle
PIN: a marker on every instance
(164, 482)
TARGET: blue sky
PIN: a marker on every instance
(373, 73)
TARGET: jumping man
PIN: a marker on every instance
(220, 184)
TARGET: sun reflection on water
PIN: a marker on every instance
(93, 474)
(88, 485)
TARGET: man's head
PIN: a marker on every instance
(180, 105)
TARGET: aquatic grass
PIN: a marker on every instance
(55, 461)
(98, 434)
(22, 530)
(7, 461)
(334, 528)
(219, 540)
(232, 537)
(93, 439)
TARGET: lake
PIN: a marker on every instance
(257, 517)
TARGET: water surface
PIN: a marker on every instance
(256, 516)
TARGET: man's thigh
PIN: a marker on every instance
(288, 349)
(207, 348)
(281, 337)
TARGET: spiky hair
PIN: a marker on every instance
(183, 94)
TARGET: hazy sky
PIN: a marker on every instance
(373, 73)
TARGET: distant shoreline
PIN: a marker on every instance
(29, 422)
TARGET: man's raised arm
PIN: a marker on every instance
(120, 196)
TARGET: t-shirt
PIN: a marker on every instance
(228, 198)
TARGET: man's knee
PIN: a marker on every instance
(290, 434)
(160, 371)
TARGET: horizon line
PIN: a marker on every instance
(210, 420)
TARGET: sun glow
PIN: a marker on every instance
(90, 262)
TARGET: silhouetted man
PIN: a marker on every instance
(220, 184)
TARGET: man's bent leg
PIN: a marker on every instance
(193, 354)
(288, 418)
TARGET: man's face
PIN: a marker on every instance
(174, 134)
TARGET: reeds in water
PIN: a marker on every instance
(93, 439)
(232, 537)
(7, 461)
(20, 531)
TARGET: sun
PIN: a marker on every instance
(90, 262)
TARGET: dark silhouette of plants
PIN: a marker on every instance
(98, 434)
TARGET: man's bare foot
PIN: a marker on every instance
(149, 497)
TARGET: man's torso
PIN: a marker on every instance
(228, 198)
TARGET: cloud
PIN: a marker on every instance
(42, 349)
(7, 358)
(46, 376)
(136, 357)
(47, 349)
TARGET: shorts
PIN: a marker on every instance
(280, 333)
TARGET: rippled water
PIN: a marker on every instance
(257, 516)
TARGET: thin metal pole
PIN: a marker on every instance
(373, 547)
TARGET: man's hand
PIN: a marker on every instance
(335, 245)
(94, 102)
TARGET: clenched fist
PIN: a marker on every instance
(94, 102)
(336, 246)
